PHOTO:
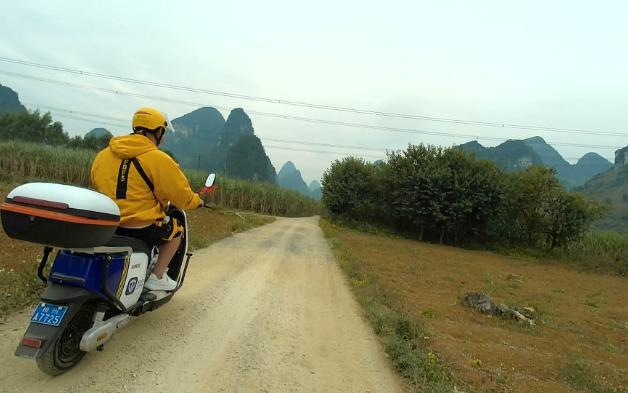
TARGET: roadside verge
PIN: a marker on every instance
(405, 341)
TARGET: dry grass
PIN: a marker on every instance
(208, 226)
(401, 334)
(580, 341)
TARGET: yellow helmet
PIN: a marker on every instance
(149, 119)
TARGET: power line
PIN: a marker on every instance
(289, 141)
(309, 105)
(79, 113)
(71, 115)
(265, 138)
(301, 118)
(82, 118)
(122, 122)
(324, 144)
(87, 120)
(320, 151)
(363, 147)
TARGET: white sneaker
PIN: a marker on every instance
(165, 283)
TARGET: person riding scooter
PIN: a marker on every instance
(142, 179)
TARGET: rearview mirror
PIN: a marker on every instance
(210, 180)
(209, 185)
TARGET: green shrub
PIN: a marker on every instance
(539, 213)
(447, 194)
(350, 187)
(32, 127)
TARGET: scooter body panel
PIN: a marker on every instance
(125, 274)
(133, 284)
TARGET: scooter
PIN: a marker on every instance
(96, 281)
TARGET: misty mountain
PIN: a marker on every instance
(195, 137)
(204, 140)
(287, 169)
(290, 177)
(587, 166)
(621, 156)
(611, 188)
(549, 156)
(98, 133)
(238, 125)
(200, 122)
(315, 189)
(246, 159)
(9, 101)
(519, 154)
(511, 155)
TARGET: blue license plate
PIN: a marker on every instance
(49, 314)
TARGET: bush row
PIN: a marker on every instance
(448, 195)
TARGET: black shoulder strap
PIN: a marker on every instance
(140, 170)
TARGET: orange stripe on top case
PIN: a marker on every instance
(55, 216)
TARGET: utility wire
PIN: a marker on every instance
(306, 104)
(322, 151)
(73, 114)
(362, 147)
(87, 120)
(288, 141)
(325, 144)
(79, 113)
(122, 124)
(301, 118)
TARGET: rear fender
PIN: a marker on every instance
(61, 295)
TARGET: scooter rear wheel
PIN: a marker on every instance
(65, 352)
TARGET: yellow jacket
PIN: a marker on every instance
(114, 174)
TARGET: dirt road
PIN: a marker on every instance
(264, 311)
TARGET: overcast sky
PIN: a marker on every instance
(557, 64)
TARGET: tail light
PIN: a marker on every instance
(32, 342)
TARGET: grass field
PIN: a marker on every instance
(19, 260)
(21, 162)
(579, 343)
(601, 252)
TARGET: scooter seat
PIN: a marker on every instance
(137, 245)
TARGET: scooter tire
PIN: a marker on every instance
(65, 352)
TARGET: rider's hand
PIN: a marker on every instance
(202, 204)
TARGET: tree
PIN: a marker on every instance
(32, 127)
(349, 188)
(444, 191)
(90, 142)
(539, 212)
(474, 191)
(449, 195)
(409, 184)
(570, 218)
